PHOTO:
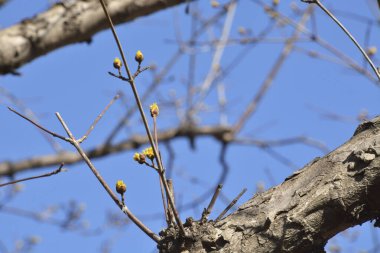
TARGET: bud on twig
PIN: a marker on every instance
(121, 188)
(149, 153)
(140, 158)
(117, 63)
(154, 110)
(139, 57)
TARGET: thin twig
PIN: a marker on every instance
(166, 212)
(206, 212)
(288, 47)
(160, 178)
(233, 202)
(113, 196)
(191, 66)
(98, 118)
(151, 165)
(143, 117)
(118, 76)
(320, 5)
(140, 70)
(39, 126)
(27, 111)
(170, 211)
(347, 60)
(35, 177)
(214, 71)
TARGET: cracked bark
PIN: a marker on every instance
(327, 196)
(66, 23)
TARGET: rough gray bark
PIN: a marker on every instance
(328, 195)
(66, 23)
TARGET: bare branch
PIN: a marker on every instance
(377, 73)
(28, 112)
(113, 196)
(98, 118)
(233, 202)
(251, 108)
(39, 126)
(45, 33)
(35, 177)
(206, 212)
(136, 141)
(327, 196)
(131, 81)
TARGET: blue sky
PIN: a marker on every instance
(74, 81)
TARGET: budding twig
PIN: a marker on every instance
(113, 196)
(143, 117)
(81, 152)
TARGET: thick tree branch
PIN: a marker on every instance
(64, 24)
(10, 168)
(327, 196)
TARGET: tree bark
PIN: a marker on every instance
(327, 196)
(66, 23)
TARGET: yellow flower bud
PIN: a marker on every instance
(117, 63)
(139, 57)
(214, 4)
(121, 187)
(154, 110)
(140, 158)
(275, 2)
(149, 153)
(371, 51)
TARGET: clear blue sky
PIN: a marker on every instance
(74, 82)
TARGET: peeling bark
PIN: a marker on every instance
(327, 196)
(66, 23)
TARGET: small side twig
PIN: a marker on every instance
(39, 126)
(320, 5)
(101, 180)
(35, 177)
(98, 118)
(233, 202)
(170, 211)
(140, 70)
(206, 212)
(119, 76)
(166, 212)
(267, 83)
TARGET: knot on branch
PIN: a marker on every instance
(373, 124)
(199, 238)
(358, 160)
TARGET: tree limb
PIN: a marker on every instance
(10, 168)
(327, 196)
(66, 23)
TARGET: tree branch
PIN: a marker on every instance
(10, 168)
(64, 24)
(327, 196)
